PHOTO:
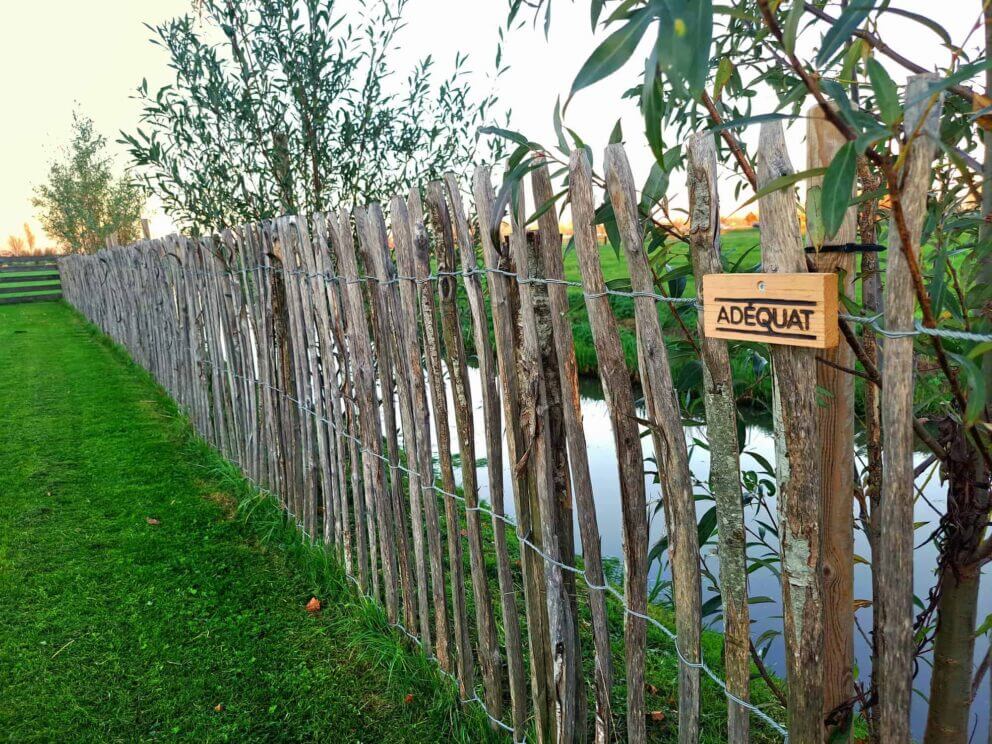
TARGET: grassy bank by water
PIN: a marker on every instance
(146, 595)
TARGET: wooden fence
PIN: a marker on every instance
(325, 356)
(29, 279)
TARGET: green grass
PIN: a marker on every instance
(113, 628)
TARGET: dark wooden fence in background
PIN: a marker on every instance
(29, 279)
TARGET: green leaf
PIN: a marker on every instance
(838, 184)
(559, 133)
(814, 217)
(976, 388)
(616, 136)
(923, 20)
(886, 93)
(613, 53)
(595, 9)
(963, 73)
(782, 182)
(654, 188)
(791, 28)
(723, 73)
(852, 17)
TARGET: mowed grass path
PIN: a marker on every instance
(138, 602)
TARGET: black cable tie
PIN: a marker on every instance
(847, 248)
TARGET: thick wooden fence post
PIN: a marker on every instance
(796, 461)
(835, 430)
(895, 560)
(626, 436)
(721, 431)
(668, 438)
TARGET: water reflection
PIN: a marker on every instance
(764, 588)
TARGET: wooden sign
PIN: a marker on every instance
(789, 309)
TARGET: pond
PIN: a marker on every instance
(766, 614)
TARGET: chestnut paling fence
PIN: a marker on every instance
(324, 355)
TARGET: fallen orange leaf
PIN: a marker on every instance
(409, 698)
(313, 605)
(152, 520)
(219, 707)
(657, 716)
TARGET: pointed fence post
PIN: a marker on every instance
(796, 462)
(721, 431)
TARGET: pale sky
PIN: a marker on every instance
(95, 52)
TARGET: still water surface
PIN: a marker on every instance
(766, 614)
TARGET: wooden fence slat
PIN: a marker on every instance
(894, 563)
(385, 274)
(503, 324)
(796, 462)
(564, 342)
(630, 463)
(402, 224)
(535, 423)
(721, 431)
(669, 441)
(456, 360)
(371, 237)
(439, 406)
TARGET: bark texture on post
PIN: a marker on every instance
(895, 560)
(668, 438)
(630, 460)
(579, 456)
(457, 364)
(494, 445)
(835, 430)
(535, 423)
(721, 431)
(505, 328)
(796, 461)
(424, 471)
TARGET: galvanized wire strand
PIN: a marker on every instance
(607, 587)
(873, 321)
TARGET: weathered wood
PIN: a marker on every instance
(503, 325)
(669, 442)
(796, 461)
(372, 237)
(370, 425)
(456, 359)
(835, 429)
(424, 471)
(396, 330)
(721, 431)
(630, 462)
(439, 406)
(551, 251)
(894, 563)
(535, 423)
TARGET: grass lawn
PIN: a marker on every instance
(142, 601)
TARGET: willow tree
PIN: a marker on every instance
(700, 67)
(285, 106)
